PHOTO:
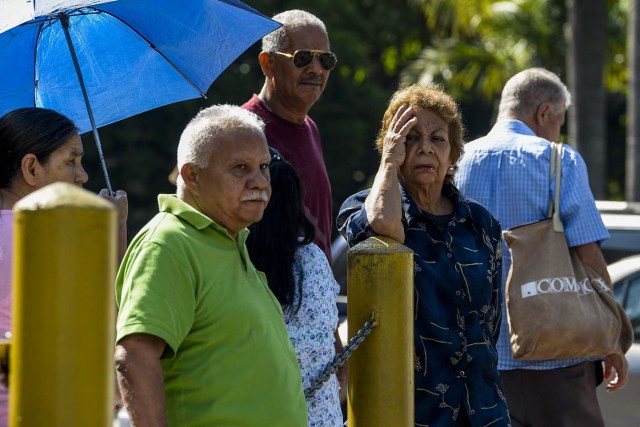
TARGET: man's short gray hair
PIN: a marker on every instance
(198, 138)
(525, 91)
(278, 40)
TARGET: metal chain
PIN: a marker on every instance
(342, 357)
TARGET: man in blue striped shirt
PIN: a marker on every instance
(508, 172)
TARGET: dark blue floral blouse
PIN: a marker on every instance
(458, 308)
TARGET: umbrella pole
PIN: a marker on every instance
(64, 20)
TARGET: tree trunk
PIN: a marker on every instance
(632, 164)
(586, 54)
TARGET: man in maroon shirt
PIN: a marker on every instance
(296, 61)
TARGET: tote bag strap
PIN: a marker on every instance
(556, 169)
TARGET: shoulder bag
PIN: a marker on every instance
(557, 307)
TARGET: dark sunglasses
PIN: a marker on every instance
(303, 57)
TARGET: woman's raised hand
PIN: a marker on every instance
(393, 149)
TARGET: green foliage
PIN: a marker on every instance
(373, 39)
(479, 44)
(616, 71)
(470, 46)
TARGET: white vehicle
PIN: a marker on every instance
(622, 219)
(622, 408)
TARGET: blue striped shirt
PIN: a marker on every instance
(508, 172)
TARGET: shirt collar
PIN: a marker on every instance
(461, 210)
(170, 203)
(512, 126)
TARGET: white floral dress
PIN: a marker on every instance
(311, 331)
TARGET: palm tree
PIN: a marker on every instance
(585, 63)
(479, 44)
(632, 188)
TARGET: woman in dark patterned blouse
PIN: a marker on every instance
(457, 258)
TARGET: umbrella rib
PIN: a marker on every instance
(64, 21)
(35, 65)
(152, 46)
(53, 17)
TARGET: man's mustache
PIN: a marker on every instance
(255, 196)
(313, 80)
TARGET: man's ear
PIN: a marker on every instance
(542, 113)
(266, 64)
(189, 174)
(29, 167)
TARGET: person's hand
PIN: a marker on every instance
(393, 145)
(120, 201)
(616, 371)
(122, 204)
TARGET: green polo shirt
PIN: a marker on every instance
(228, 361)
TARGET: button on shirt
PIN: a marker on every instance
(457, 308)
(508, 172)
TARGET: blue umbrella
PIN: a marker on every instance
(101, 63)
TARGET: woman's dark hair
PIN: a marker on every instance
(36, 131)
(283, 228)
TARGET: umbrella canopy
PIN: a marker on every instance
(15, 12)
(100, 62)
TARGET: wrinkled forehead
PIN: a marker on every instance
(240, 142)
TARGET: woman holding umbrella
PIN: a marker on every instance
(37, 147)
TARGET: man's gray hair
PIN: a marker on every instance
(198, 138)
(525, 91)
(278, 40)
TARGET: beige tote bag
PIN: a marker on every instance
(557, 307)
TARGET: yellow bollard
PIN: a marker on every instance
(380, 279)
(61, 372)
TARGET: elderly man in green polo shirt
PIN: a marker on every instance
(200, 338)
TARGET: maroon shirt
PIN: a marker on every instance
(300, 145)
